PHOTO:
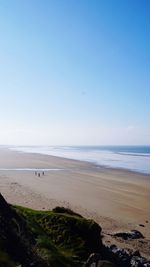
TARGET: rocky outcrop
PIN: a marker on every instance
(126, 258)
(33, 238)
(137, 261)
(134, 234)
(116, 257)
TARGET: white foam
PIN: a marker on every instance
(106, 157)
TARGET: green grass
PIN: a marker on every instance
(45, 248)
(63, 238)
(57, 238)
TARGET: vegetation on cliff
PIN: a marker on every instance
(45, 238)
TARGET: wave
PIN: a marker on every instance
(134, 154)
(132, 158)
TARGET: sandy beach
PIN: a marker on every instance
(117, 199)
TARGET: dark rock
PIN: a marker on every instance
(134, 234)
(139, 262)
(142, 225)
(124, 257)
(120, 256)
(136, 253)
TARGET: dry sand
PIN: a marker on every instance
(116, 199)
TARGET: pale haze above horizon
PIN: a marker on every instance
(75, 72)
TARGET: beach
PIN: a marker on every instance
(117, 199)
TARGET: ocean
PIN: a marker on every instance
(135, 158)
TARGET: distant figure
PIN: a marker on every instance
(39, 174)
(43, 173)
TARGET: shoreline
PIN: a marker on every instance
(107, 167)
(23, 162)
(93, 162)
(117, 199)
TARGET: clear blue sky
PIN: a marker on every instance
(75, 72)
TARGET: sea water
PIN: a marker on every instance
(135, 158)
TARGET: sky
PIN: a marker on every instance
(75, 72)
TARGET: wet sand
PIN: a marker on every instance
(117, 199)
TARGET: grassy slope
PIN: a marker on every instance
(63, 238)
